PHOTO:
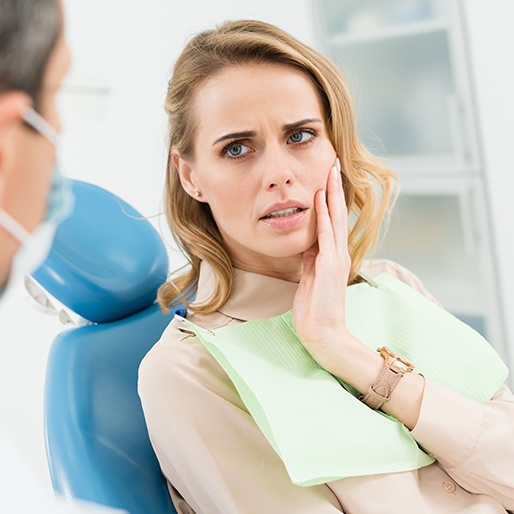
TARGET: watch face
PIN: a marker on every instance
(396, 363)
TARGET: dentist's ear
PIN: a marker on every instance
(187, 176)
(12, 106)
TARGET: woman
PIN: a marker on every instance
(264, 165)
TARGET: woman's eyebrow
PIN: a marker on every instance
(235, 135)
(253, 133)
(298, 124)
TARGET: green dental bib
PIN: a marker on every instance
(316, 424)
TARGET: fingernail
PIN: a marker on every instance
(336, 172)
(338, 164)
(323, 195)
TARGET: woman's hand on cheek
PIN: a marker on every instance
(319, 310)
(319, 304)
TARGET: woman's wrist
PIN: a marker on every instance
(357, 365)
(352, 362)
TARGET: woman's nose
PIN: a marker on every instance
(278, 171)
(280, 181)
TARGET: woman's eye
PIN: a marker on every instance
(236, 150)
(301, 136)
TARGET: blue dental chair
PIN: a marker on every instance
(105, 265)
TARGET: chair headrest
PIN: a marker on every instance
(107, 261)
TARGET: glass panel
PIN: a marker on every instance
(426, 236)
(356, 16)
(398, 57)
(404, 92)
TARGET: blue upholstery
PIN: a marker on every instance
(107, 261)
(106, 265)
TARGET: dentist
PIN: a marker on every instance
(34, 58)
(34, 197)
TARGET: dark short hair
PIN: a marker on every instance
(29, 30)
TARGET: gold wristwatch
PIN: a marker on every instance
(394, 369)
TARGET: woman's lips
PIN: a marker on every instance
(284, 219)
(283, 212)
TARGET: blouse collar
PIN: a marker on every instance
(254, 296)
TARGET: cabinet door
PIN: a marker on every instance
(399, 57)
(407, 63)
(437, 230)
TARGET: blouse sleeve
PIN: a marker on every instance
(473, 441)
(207, 443)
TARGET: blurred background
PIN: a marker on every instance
(433, 88)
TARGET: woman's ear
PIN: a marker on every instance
(188, 177)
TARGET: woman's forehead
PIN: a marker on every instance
(259, 90)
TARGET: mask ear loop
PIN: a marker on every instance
(38, 123)
(13, 227)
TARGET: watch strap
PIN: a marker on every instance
(380, 391)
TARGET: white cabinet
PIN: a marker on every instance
(407, 63)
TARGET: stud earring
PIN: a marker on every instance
(197, 194)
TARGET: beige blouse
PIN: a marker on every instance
(217, 461)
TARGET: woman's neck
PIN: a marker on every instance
(284, 269)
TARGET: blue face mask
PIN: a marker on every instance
(60, 197)
(36, 245)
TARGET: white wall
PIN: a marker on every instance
(117, 142)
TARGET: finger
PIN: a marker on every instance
(326, 241)
(337, 208)
(309, 259)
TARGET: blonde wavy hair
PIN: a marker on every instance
(191, 222)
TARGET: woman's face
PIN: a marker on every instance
(262, 151)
